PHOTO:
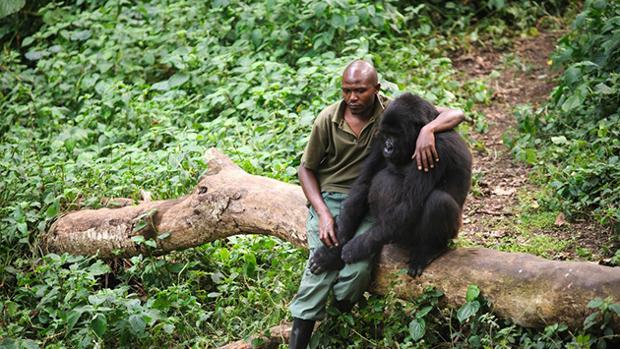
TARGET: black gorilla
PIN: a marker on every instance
(421, 211)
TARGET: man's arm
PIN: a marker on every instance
(312, 190)
(425, 151)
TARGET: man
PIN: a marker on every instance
(338, 144)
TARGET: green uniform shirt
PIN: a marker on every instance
(333, 151)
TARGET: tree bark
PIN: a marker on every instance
(529, 290)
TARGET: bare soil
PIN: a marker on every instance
(505, 190)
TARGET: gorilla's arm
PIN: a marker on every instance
(354, 208)
(446, 119)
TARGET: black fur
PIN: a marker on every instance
(420, 210)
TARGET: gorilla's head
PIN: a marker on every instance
(401, 124)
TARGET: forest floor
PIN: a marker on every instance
(502, 211)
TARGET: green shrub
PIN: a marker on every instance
(574, 141)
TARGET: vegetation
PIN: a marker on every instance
(575, 139)
(104, 99)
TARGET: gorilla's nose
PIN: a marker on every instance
(388, 148)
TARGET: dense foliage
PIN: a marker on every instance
(108, 98)
(575, 139)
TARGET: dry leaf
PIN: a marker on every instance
(560, 220)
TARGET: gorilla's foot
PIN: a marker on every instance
(325, 259)
(415, 269)
(419, 262)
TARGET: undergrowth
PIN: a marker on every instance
(573, 141)
(108, 98)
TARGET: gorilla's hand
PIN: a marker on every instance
(325, 259)
(359, 248)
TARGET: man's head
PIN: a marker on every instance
(360, 85)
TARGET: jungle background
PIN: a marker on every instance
(120, 99)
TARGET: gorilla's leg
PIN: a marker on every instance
(439, 222)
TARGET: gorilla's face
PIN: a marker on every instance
(401, 123)
(398, 141)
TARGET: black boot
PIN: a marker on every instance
(344, 306)
(300, 333)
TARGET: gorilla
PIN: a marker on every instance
(417, 210)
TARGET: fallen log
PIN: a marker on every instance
(529, 290)
(277, 335)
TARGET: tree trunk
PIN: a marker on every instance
(529, 290)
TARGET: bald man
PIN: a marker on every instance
(339, 142)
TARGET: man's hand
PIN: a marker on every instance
(327, 230)
(425, 153)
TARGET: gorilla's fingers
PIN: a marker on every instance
(415, 269)
(315, 268)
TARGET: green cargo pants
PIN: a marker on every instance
(349, 283)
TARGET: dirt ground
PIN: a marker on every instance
(493, 214)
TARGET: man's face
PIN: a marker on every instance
(359, 93)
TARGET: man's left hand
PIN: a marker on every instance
(425, 153)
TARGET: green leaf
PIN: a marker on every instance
(559, 140)
(467, 310)
(98, 268)
(599, 4)
(595, 303)
(177, 79)
(72, 319)
(27, 41)
(423, 312)
(472, 293)
(417, 329)
(591, 320)
(604, 89)
(137, 324)
(616, 308)
(34, 55)
(169, 328)
(22, 228)
(474, 341)
(530, 156)
(572, 75)
(574, 101)
(96, 299)
(161, 86)
(99, 324)
(9, 7)
(52, 210)
(138, 239)
(496, 4)
(80, 35)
